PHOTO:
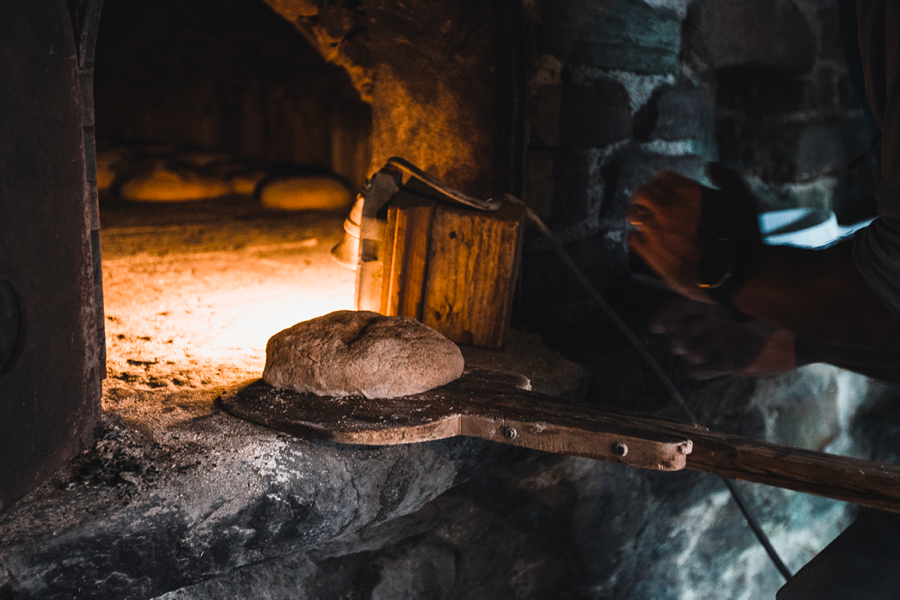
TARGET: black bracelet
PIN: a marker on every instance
(725, 266)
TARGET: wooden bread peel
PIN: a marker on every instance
(490, 406)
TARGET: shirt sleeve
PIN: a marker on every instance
(876, 249)
(876, 255)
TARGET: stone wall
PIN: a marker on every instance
(439, 75)
(620, 89)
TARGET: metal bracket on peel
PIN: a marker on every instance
(382, 187)
(435, 183)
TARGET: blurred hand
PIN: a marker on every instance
(715, 344)
(665, 216)
(674, 218)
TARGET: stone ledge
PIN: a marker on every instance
(136, 517)
(176, 492)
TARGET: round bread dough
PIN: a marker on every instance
(361, 353)
(164, 184)
(305, 192)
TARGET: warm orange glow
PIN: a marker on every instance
(204, 318)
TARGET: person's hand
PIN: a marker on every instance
(715, 344)
(675, 218)
(665, 216)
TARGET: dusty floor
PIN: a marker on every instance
(194, 290)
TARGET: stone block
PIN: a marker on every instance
(620, 35)
(876, 425)
(517, 524)
(544, 114)
(138, 515)
(828, 19)
(826, 146)
(635, 167)
(831, 145)
(762, 32)
(672, 537)
(544, 529)
(675, 112)
(757, 90)
(578, 187)
(825, 82)
(801, 407)
(594, 116)
(438, 95)
(574, 116)
(779, 152)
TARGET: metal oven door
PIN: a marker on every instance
(49, 353)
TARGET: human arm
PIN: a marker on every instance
(817, 294)
(820, 296)
(714, 343)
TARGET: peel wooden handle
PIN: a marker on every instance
(862, 482)
(489, 406)
(454, 410)
(663, 453)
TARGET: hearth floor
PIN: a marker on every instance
(193, 291)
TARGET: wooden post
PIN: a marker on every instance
(452, 267)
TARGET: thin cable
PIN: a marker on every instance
(754, 525)
(636, 343)
(661, 375)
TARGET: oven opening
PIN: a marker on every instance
(229, 154)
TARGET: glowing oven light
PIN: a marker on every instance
(170, 316)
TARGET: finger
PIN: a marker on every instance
(706, 372)
(639, 215)
(703, 373)
(693, 340)
(695, 352)
(637, 242)
(675, 311)
(698, 352)
(715, 367)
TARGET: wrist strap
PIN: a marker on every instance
(747, 258)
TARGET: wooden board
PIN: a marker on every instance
(407, 235)
(489, 406)
(473, 263)
(451, 267)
